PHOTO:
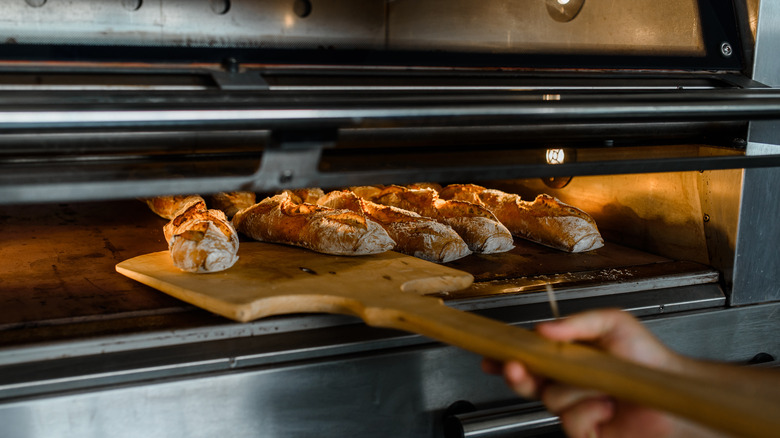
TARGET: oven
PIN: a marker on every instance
(658, 118)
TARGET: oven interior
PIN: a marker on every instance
(658, 115)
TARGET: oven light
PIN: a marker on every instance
(555, 156)
(564, 10)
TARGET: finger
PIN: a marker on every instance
(592, 326)
(492, 366)
(521, 381)
(616, 332)
(584, 419)
(612, 330)
(558, 397)
(516, 376)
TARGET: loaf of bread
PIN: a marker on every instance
(168, 206)
(424, 185)
(230, 203)
(476, 225)
(413, 234)
(369, 193)
(280, 219)
(546, 220)
(201, 240)
(307, 195)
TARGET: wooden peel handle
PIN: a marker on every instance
(723, 407)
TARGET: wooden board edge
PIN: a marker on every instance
(239, 313)
(439, 285)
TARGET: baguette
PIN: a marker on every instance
(476, 225)
(308, 195)
(369, 193)
(546, 220)
(280, 219)
(413, 234)
(424, 185)
(231, 203)
(201, 240)
(169, 206)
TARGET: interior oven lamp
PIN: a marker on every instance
(555, 156)
(564, 10)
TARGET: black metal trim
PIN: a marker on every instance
(33, 112)
(57, 188)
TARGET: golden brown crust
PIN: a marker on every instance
(420, 201)
(230, 203)
(308, 195)
(415, 235)
(201, 240)
(168, 206)
(279, 219)
(424, 185)
(477, 226)
(342, 200)
(368, 193)
(463, 192)
(546, 220)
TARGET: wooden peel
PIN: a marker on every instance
(385, 291)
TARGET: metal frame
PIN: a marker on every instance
(370, 30)
(304, 125)
(348, 379)
(756, 264)
(38, 112)
(210, 386)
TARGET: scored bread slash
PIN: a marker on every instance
(475, 224)
(231, 203)
(201, 240)
(414, 235)
(168, 207)
(545, 220)
(280, 219)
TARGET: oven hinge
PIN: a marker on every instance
(291, 159)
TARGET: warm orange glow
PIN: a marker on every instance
(289, 21)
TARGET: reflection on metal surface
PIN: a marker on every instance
(521, 420)
(557, 182)
(564, 10)
(657, 27)
(752, 7)
(335, 24)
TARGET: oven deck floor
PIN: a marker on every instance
(58, 281)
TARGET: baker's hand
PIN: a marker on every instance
(588, 413)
